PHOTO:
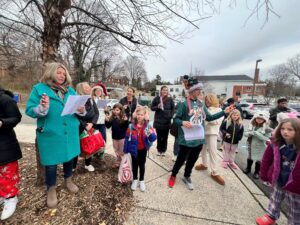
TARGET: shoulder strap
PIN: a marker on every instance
(130, 131)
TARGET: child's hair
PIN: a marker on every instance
(79, 88)
(95, 88)
(139, 108)
(295, 122)
(255, 124)
(235, 111)
(121, 116)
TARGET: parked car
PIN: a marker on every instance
(295, 106)
(249, 109)
(111, 103)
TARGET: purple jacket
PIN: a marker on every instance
(271, 165)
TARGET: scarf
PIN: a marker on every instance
(59, 90)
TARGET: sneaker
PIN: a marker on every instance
(265, 220)
(174, 158)
(266, 183)
(142, 186)
(200, 167)
(172, 181)
(158, 153)
(9, 207)
(225, 165)
(188, 183)
(233, 165)
(163, 154)
(134, 185)
(90, 168)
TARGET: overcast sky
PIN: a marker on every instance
(223, 45)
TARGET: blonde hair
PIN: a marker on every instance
(213, 100)
(79, 88)
(49, 75)
(235, 111)
(94, 89)
(139, 108)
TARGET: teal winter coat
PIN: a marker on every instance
(57, 136)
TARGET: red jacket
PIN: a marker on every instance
(271, 166)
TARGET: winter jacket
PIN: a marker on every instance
(235, 130)
(57, 136)
(130, 107)
(257, 139)
(162, 117)
(10, 116)
(271, 166)
(182, 114)
(118, 129)
(91, 115)
(212, 127)
(273, 115)
(131, 138)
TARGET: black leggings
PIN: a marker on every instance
(162, 139)
(188, 154)
(139, 162)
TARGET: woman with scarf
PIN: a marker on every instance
(163, 106)
(57, 136)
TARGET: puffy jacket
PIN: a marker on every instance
(271, 165)
(162, 118)
(10, 116)
(236, 131)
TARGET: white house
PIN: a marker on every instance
(235, 86)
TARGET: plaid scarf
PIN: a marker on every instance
(59, 90)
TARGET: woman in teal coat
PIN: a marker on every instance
(57, 136)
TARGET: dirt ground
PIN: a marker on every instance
(101, 200)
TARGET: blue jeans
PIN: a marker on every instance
(50, 172)
(102, 130)
(176, 147)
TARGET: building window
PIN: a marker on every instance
(171, 90)
(176, 89)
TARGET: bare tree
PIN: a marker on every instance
(293, 66)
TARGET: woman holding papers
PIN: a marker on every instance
(57, 136)
(163, 106)
(87, 121)
(190, 118)
(129, 103)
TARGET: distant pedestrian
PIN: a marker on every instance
(232, 129)
(231, 102)
(258, 133)
(281, 107)
(163, 106)
(280, 166)
(118, 122)
(191, 114)
(138, 140)
(10, 153)
(129, 102)
(211, 135)
(57, 136)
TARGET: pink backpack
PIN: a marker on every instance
(125, 169)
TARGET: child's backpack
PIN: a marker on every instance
(125, 170)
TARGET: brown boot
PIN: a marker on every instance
(218, 179)
(51, 197)
(71, 186)
(200, 167)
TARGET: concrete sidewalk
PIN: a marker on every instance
(238, 202)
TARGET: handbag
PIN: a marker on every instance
(125, 170)
(174, 129)
(91, 142)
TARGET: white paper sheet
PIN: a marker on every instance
(73, 103)
(101, 104)
(196, 132)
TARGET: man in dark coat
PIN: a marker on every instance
(230, 101)
(281, 107)
(10, 153)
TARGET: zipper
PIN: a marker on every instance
(233, 134)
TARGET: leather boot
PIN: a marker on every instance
(71, 186)
(256, 171)
(249, 165)
(52, 197)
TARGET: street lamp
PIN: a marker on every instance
(256, 72)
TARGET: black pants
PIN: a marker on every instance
(87, 161)
(188, 154)
(139, 162)
(162, 139)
